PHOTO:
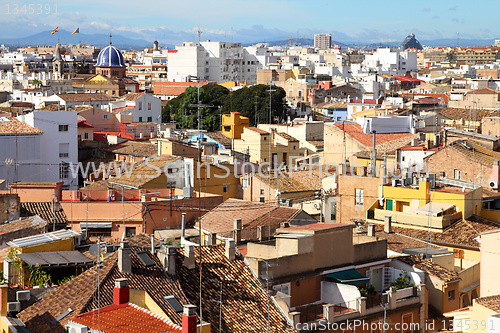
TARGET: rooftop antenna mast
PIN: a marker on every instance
(110, 38)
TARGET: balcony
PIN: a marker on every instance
(360, 307)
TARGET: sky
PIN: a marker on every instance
(170, 21)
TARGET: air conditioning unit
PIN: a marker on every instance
(76, 328)
(23, 295)
(13, 307)
(494, 185)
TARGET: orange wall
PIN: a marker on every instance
(305, 291)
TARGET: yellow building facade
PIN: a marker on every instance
(233, 125)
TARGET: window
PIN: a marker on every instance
(358, 197)
(79, 137)
(63, 170)
(105, 116)
(149, 105)
(130, 231)
(64, 150)
(333, 211)
(86, 136)
(261, 192)
(140, 106)
(140, 119)
(457, 173)
(150, 119)
(225, 189)
(63, 128)
(451, 294)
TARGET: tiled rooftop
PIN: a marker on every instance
(426, 265)
(45, 210)
(23, 223)
(134, 148)
(477, 115)
(126, 318)
(11, 125)
(220, 138)
(252, 214)
(85, 97)
(356, 132)
(245, 302)
(132, 96)
(490, 302)
(258, 130)
(286, 136)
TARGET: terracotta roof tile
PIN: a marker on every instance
(426, 265)
(11, 125)
(85, 97)
(490, 302)
(134, 148)
(252, 214)
(477, 115)
(245, 301)
(24, 223)
(286, 136)
(125, 318)
(45, 210)
(356, 132)
(258, 130)
(220, 138)
(132, 96)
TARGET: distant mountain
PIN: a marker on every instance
(294, 42)
(64, 37)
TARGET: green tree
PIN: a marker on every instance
(402, 282)
(251, 102)
(184, 111)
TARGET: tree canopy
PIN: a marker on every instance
(251, 102)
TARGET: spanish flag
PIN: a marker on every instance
(55, 30)
(77, 31)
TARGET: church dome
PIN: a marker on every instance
(110, 56)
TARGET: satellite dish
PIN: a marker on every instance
(94, 249)
(316, 206)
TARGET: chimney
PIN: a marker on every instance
(189, 321)
(371, 230)
(124, 260)
(183, 225)
(237, 230)
(437, 140)
(260, 233)
(428, 144)
(121, 291)
(189, 256)
(170, 267)
(495, 171)
(152, 244)
(230, 250)
(387, 224)
(414, 142)
(166, 255)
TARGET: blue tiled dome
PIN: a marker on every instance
(110, 56)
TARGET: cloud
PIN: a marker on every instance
(453, 8)
(99, 25)
(426, 9)
(458, 20)
(435, 17)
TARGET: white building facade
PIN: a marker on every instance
(58, 145)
